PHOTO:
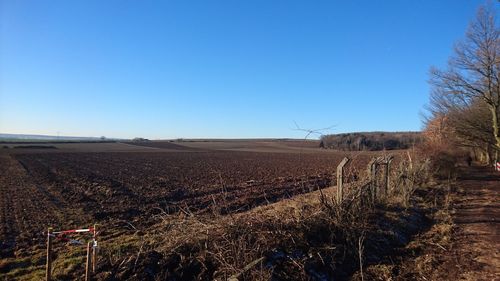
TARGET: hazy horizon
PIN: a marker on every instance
(63, 137)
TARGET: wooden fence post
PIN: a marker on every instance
(340, 179)
(48, 268)
(379, 191)
(387, 163)
(94, 252)
(88, 271)
(372, 166)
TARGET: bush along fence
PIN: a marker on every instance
(91, 261)
(364, 194)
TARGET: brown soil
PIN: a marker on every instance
(463, 243)
(475, 253)
(66, 189)
(28, 208)
(126, 187)
(163, 145)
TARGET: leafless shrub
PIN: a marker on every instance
(410, 174)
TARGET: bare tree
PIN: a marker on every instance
(472, 81)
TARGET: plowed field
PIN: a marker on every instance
(70, 189)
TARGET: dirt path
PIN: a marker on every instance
(476, 251)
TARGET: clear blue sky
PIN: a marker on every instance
(168, 69)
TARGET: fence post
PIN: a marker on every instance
(48, 268)
(88, 272)
(388, 161)
(340, 179)
(372, 167)
(94, 252)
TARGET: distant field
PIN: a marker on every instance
(291, 146)
(255, 146)
(74, 147)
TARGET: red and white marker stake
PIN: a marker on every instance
(90, 229)
(91, 248)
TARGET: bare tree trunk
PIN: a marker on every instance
(488, 154)
(496, 133)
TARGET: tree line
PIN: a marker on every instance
(370, 141)
(464, 107)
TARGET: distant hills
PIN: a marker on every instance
(50, 138)
(371, 141)
(42, 138)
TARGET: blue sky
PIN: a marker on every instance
(194, 69)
